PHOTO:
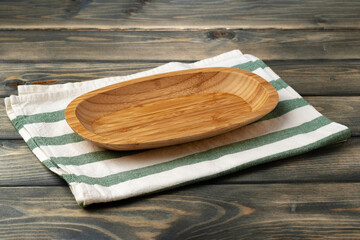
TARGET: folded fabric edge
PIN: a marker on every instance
(26, 135)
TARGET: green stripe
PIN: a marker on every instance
(50, 164)
(58, 140)
(47, 117)
(251, 66)
(200, 157)
(282, 108)
(32, 144)
(278, 84)
(91, 157)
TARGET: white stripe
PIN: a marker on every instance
(52, 129)
(25, 134)
(271, 73)
(186, 173)
(68, 150)
(250, 57)
(108, 167)
(9, 109)
(291, 93)
(287, 94)
(262, 73)
(40, 154)
(58, 171)
(39, 103)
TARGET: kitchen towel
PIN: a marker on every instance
(98, 175)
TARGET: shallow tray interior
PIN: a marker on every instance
(171, 108)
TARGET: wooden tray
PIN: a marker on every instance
(170, 108)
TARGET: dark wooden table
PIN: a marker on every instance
(313, 45)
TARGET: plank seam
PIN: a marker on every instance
(179, 29)
(15, 61)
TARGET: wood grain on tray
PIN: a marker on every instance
(171, 108)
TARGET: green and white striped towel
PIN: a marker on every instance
(97, 175)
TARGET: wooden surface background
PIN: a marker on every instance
(314, 45)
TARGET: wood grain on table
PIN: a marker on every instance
(313, 45)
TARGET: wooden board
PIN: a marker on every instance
(335, 163)
(277, 211)
(179, 14)
(343, 110)
(176, 45)
(341, 77)
(307, 77)
(17, 73)
(7, 130)
(19, 166)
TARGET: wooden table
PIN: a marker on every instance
(313, 45)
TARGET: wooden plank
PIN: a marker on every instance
(272, 211)
(343, 110)
(14, 74)
(20, 46)
(7, 130)
(19, 166)
(336, 163)
(341, 77)
(179, 14)
(310, 77)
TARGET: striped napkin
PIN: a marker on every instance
(98, 175)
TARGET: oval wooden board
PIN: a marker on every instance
(170, 108)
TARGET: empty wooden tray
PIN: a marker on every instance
(170, 108)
